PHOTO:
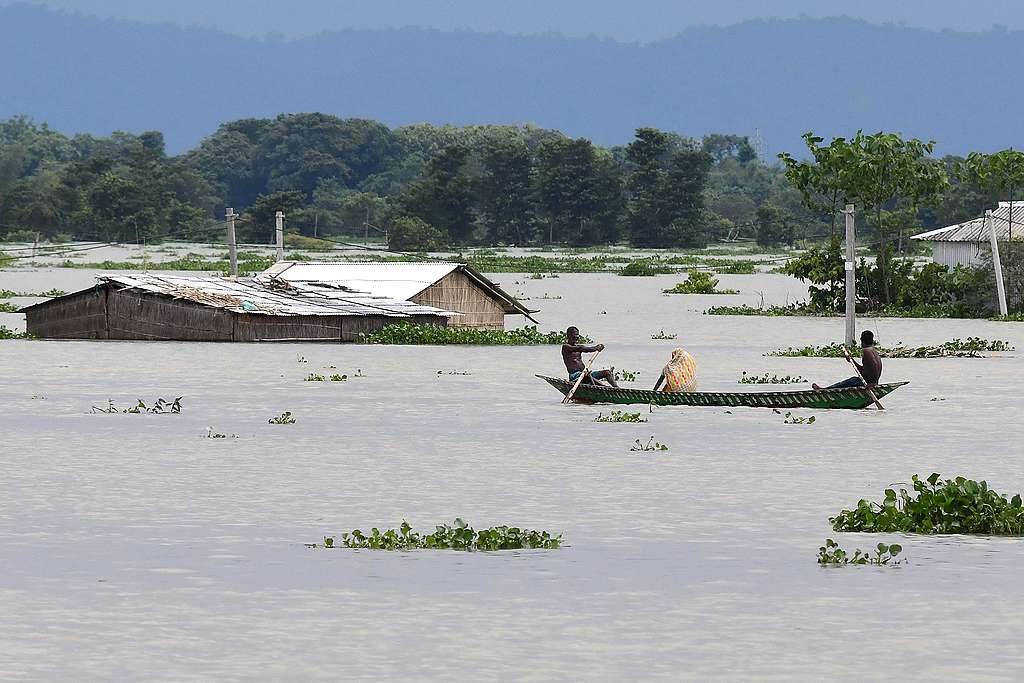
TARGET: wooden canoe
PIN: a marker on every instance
(805, 398)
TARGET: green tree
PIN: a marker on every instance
(666, 190)
(409, 233)
(579, 191)
(259, 221)
(505, 193)
(443, 198)
(774, 226)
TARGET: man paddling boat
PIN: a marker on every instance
(870, 365)
(572, 355)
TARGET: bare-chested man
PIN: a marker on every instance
(572, 355)
(870, 365)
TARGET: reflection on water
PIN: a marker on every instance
(132, 543)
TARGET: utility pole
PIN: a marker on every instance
(280, 236)
(851, 276)
(1000, 291)
(232, 246)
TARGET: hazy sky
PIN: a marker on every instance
(636, 20)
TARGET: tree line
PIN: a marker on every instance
(429, 186)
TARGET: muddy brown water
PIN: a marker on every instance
(133, 547)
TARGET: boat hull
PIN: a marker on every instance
(808, 398)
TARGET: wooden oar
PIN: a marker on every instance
(579, 380)
(861, 375)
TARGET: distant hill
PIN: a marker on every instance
(781, 77)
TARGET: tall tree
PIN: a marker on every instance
(505, 192)
(579, 191)
(443, 198)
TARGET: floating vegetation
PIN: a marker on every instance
(453, 372)
(771, 379)
(284, 418)
(8, 308)
(941, 506)
(832, 555)
(743, 267)
(210, 434)
(408, 333)
(312, 377)
(539, 264)
(770, 311)
(936, 398)
(190, 262)
(7, 333)
(548, 298)
(160, 407)
(625, 376)
(619, 416)
(699, 282)
(972, 347)
(455, 536)
(662, 335)
(300, 359)
(651, 445)
(791, 419)
(338, 378)
(645, 268)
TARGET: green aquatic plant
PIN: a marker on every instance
(941, 506)
(8, 308)
(284, 418)
(210, 434)
(7, 333)
(651, 445)
(832, 555)
(409, 333)
(663, 335)
(453, 372)
(313, 377)
(625, 376)
(972, 347)
(338, 378)
(771, 379)
(619, 416)
(791, 419)
(699, 282)
(770, 311)
(645, 268)
(455, 536)
(160, 407)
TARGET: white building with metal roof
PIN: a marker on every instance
(965, 244)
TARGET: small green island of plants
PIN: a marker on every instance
(619, 416)
(699, 282)
(972, 347)
(455, 536)
(940, 506)
(832, 555)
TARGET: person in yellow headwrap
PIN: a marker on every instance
(680, 374)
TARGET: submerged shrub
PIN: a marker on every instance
(941, 506)
(972, 347)
(619, 416)
(699, 282)
(7, 333)
(645, 268)
(456, 536)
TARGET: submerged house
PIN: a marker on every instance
(965, 244)
(450, 286)
(269, 307)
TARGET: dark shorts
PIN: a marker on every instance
(573, 376)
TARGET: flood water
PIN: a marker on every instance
(133, 547)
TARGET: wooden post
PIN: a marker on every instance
(280, 236)
(232, 245)
(1000, 291)
(851, 277)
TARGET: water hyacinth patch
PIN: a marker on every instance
(619, 416)
(972, 347)
(455, 536)
(284, 418)
(645, 268)
(941, 506)
(408, 333)
(160, 407)
(7, 333)
(651, 445)
(663, 335)
(771, 379)
(699, 282)
(832, 555)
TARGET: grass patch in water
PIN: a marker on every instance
(455, 536)
(699, 282)
(619, 416)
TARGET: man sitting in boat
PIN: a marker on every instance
(870, 365)
(572, 355)
(680, 374)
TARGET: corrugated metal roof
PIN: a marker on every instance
(398, 280)
(977, 231)
(272, 296)
(394, 280)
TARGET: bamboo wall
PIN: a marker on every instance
(108, 313)
(76, 316)
(456, 292)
